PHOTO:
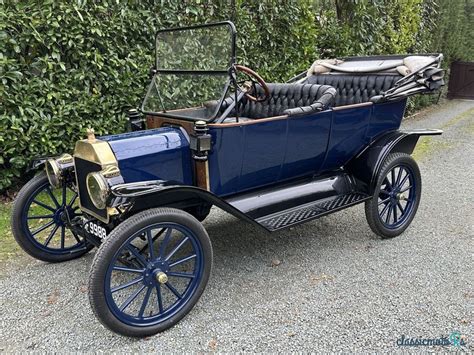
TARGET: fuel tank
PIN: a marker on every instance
(155, 154)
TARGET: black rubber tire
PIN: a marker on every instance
(115, 240)
(17, 228)
(371, 206)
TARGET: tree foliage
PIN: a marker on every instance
(68, 65)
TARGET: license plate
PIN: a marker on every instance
(95, 229)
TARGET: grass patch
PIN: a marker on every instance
(8, 245)
(427, 144)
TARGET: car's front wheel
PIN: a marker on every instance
(150, 272)
(40, 220)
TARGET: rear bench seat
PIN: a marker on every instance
(355, 88)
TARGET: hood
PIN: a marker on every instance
(155, 154)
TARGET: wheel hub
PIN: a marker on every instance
(62, 215)
(156, 272)
(161, 277)
(401, 196)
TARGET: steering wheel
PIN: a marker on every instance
(247, 86)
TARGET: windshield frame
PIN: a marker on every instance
(227, 72)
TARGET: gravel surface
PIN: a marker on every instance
(337, 287)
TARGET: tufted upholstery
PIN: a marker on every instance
(286, 99)
(354, 89)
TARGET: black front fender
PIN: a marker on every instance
(182, 196)
(367, 164)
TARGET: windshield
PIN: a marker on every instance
(192, 70)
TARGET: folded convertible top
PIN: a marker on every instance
(421, 73)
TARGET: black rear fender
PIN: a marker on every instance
(366, 165)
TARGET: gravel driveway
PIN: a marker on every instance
(337, 287)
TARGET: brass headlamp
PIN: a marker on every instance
(57, 167)
(98, 186)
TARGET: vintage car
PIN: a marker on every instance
(211, 132)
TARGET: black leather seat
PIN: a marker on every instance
(354, 88)
(285, 99)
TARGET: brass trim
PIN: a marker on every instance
(100, 180)
(98, 152)
(255, 121)
(347, 107)
(53, 172)
(90, 134)
(161, 277)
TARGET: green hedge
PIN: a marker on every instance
(68, 65)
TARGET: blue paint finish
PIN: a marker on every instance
(225, 159)
(264, 153)
(386, 116)
(308, 137)
(348, 135)
(161, 153)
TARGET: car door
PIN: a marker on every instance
(262, 152)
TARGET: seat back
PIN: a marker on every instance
(355, 88)
(284, 97)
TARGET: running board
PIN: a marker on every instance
(309, 211)
(285, 205)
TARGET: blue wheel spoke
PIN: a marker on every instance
(170, 255)
(44, 205)
(385, 192)
(145, 302)
(389, 214)
(128, 269)
(160, 299)
(384, 210)
(76, 237)
(172, 289)
(63, 236)
(52, 197)
(64, 195)
(384, 201)
(135, 252)
(402, 210)
(395, 218)
(128, 284)
(165, 242)
(392, 174)
(51, 235)
(181, 274)
(41, 217)
(131, 298)
(180, 261)
(40, 229)
(406, 189)
(73, 200)
(399, 176)
(150, 244)
(404, 180)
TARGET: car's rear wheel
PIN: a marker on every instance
(40, 219)
(150, 272)
(396, 196)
